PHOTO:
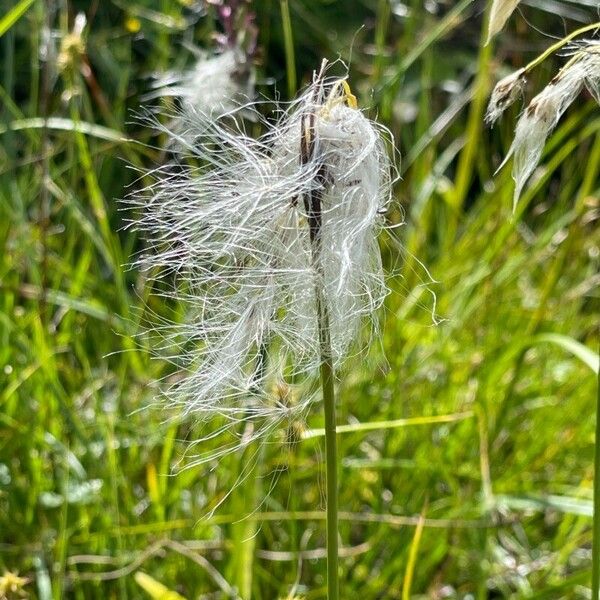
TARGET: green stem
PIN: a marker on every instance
(288, 44)
(467, 160)
(596, 525)
(330, 447)
(560, 44)
(314, 213)
(244, 531)
(327, 374)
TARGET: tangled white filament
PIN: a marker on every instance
(543, 113)
(226, 223)
(215, 85)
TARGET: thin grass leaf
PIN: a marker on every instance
(393, 424)
(13, 15)
(62, 124)
(412, 556)
(155, 589)
(583, 353)
(563, 504)
(499, 14)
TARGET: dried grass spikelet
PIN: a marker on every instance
(504, 94)
(225, 222)
(72, 46)
(545, 110)
(499, 14)
(589, 50)
(215, 85)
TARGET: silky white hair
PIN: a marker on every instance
(541, 116)
(215, 85)
(227, 236)
(504, 94)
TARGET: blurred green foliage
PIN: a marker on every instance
(87, 494)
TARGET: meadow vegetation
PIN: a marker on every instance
(467, 436)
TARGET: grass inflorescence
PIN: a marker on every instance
(466, 448)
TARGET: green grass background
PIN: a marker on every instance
(492, 502)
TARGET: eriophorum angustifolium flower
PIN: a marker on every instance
(544, 111)
(504, 94)
(223, 80)
(226, 225)
(215, 85)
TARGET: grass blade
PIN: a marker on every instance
(375, 426)
(577, 349)
(13, 15)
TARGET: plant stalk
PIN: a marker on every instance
(312, 204)
(596, 524)
(331, 465)
(558, 45)
(288, 44)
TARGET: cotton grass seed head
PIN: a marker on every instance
(228, 232)
(215, 85)
(588, 51)
(505, 93)
(542, 114)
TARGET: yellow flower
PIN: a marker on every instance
(11, 586)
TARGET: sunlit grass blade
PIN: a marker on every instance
(13, 15)
(392, 424)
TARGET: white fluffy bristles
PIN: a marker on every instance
(226, 225)
(545, 110)
(504, 94)
(215, 85)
